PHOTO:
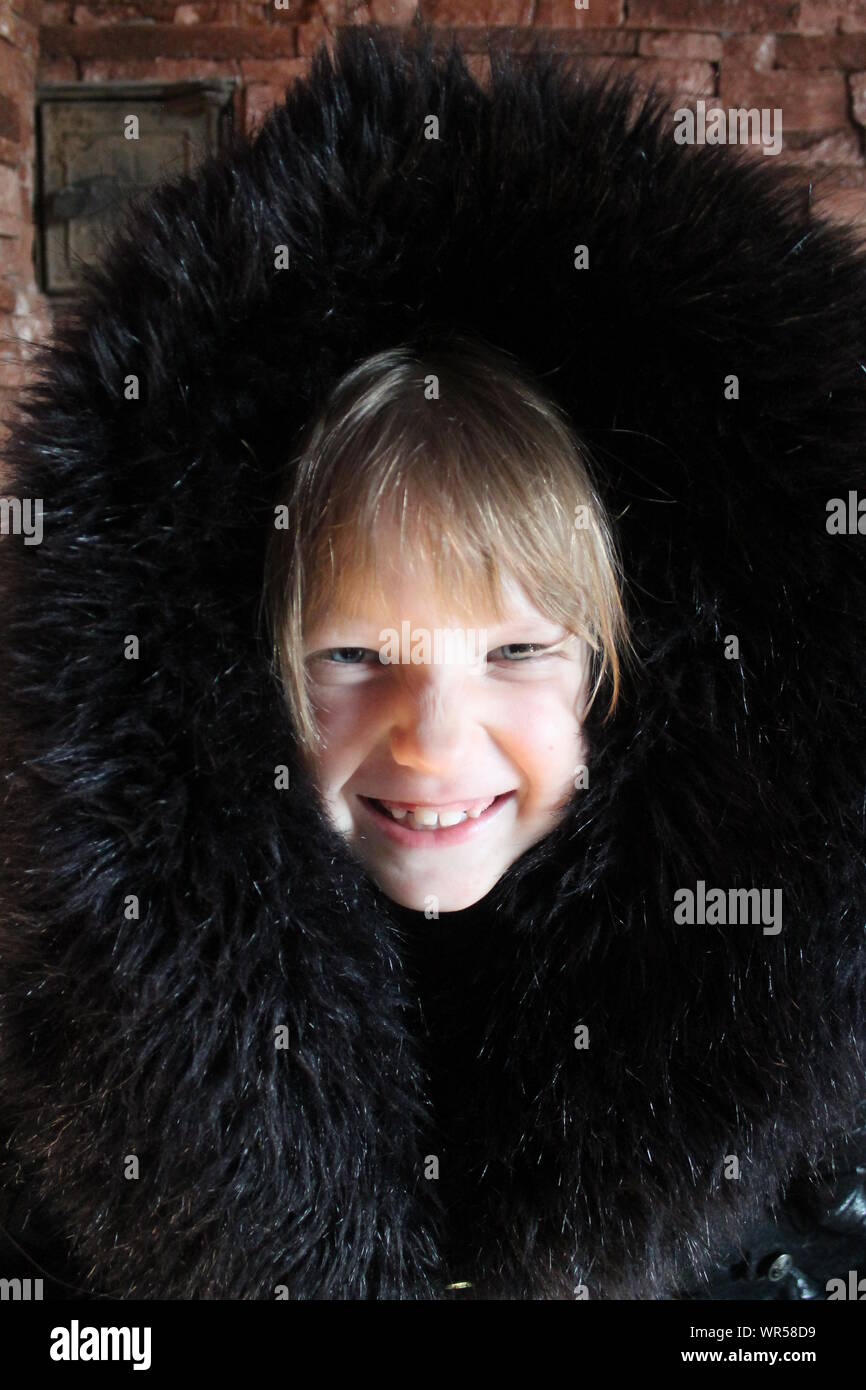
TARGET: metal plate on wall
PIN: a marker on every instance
(90, 161)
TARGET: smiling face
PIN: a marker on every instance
(447, 732)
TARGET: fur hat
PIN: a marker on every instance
(713, 356)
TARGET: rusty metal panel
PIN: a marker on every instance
(97, 151)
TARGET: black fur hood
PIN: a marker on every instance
(712, 1047)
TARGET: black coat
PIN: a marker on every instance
(154, 1037)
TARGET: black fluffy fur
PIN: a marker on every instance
(304, 1167)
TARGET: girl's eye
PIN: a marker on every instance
(354, 655)
(520, 648)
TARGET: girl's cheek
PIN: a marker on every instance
(540, 718)
(543, 737)
(344, 716)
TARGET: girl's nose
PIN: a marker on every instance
(432, 728)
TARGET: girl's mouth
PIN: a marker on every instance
(403, 832)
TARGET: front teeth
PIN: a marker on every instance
(423, 818)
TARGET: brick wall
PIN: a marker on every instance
(806, 57)
(23, 314)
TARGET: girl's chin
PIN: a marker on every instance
(413, 903)
(433, 893)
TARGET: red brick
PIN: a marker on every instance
(396, 12)
(680, 79)
(817, 17)
(16, 350)
(613, 41)
(10, 152)
(750, 51)
(843, 205)
(149, 41)
(841, 148)
(264, 11)
(21, 248)
(7, 406)
(216, 12)
(831, 51)
(828, 16)
(561, 14)
(309, 36)
(21, 308)
(744, 16)
(857, 86)
(14, 375)
(16, 71)
(28, 10)
(333, 12)
(808, 101)
(671, 78)
(18, 228)
(7, 297)
(11, 196)
(679, 45)
(494, 13)
(185, 70)
(57, 70)
(259, 99)
(10, 119)
(152, 70)
(19, 33)
(115, 12)
(41, 317)
(56, 12)
(272, 74)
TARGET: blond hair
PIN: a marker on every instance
(483, 479)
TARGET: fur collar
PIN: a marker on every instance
(153, 1035)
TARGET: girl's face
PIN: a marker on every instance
(445, 733)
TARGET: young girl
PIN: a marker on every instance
(441, 500)
(445, 606)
